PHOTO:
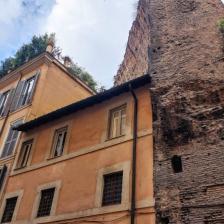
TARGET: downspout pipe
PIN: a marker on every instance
(134, 155)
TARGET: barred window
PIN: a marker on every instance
(46, 200)
(59, 142)
(24, 154)
(10, 140)
(112, 192)
(9, 209)
(117, 122)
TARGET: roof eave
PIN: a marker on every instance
(90, 101)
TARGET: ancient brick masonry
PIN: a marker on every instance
(185, 60)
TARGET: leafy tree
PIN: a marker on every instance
(37, 46)
(83, 75)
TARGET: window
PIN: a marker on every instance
(3, 171)
(10, 140)
(26, 91)
(165, 220)
(9, 209)
(112, 192)
(3, 102)
(24, 154)
(59, 142)
(177, 164)
(117, 122)
(46, 200)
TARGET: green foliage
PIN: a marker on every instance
(83, 75)
(28, 51)
(37, 46)
(221, 25)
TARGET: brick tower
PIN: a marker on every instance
(181, 45)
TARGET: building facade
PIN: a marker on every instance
(31, 91)
(89, 162)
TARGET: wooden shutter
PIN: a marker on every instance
(8, 102)
(16, 99)
(2, 175)
(34, 87)
(10, 141)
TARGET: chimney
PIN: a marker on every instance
(67, 62)
(50, 46)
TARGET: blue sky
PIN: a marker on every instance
(93, 32)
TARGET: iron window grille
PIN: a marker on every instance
(3, 101)
(9, 210)
(112, 192)
(24, 154)
(117, 122)
(46, 200)
(59, 142)
(10, 140)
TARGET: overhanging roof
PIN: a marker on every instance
(90, 101)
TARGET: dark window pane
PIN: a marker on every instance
(177, 164)
(9, 209)
(45, 202)
(112, 191)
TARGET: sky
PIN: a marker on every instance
(93, 33)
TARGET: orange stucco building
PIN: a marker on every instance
(88, 162)
(28, 92)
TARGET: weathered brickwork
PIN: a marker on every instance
(185, 60)
(135, 61)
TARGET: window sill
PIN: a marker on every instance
(6, 159)
(117, 137)
(21, 108)
(56, 157)
(20, 168)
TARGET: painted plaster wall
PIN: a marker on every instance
(79, 173)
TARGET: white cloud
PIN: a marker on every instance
(19, 21)
(93, 33)
(10, 11)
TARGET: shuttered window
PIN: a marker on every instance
(3, 102)
(9, 210)
(117, 122)
(46, 200)
(3, 171)
(10, 140)
(24, 93)
(24, 154)
(59, 142)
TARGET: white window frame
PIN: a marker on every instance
(111, 126)
(64, 129)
